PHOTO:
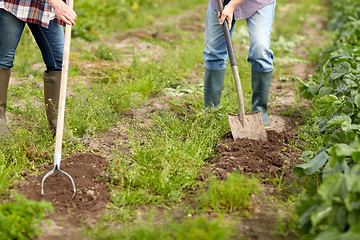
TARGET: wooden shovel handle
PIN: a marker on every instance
(233, 63)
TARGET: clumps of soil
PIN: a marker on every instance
(275, 157)
(92, 191)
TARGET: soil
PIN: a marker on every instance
(92, 191)
(266, 159)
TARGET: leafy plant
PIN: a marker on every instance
(336, 98)
(335, 210)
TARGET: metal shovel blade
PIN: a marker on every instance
(252, 127)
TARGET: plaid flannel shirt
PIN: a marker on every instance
(31, 11)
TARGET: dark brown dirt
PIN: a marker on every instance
(264, 158)
(92, 191)
(273, 161)
(271, 158)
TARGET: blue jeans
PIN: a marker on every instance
(50, 41)
(260, 55)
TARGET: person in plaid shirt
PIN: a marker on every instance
(45, 19)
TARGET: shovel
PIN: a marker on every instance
(242, 126)
(61, 110)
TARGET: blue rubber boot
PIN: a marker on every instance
(260, 82)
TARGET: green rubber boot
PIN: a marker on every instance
(260, 82)
(4, 83)
(52, 82)
(213, 84)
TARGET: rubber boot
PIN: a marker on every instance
(52, 81)
(51, 94)
(213, 84)
(4, 83)
(260, 82)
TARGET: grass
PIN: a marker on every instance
(7, 169)
(168, 153)
(104, 18)
(20, 219)
(285, 221)
(233, 195)
(166, 160)
(192, 228)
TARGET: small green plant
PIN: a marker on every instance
(203, 229)
(106, 52)
(290, 78)
(285, 225)
(233, 194)
(278, 181)
(289, 112)
(19, 219)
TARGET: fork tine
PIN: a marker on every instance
(72, 181)
(42, 182)
(62, 172)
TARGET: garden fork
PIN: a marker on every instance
(61, 110)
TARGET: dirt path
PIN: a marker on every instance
(273, 158)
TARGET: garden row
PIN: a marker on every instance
(334, 211)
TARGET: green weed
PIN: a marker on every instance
(231, 195)
(202, 228)
(106, 52)
(192, 228)
(20, 219)
(8, 168)
(167, 158)
(285, 221)
(278, 181)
